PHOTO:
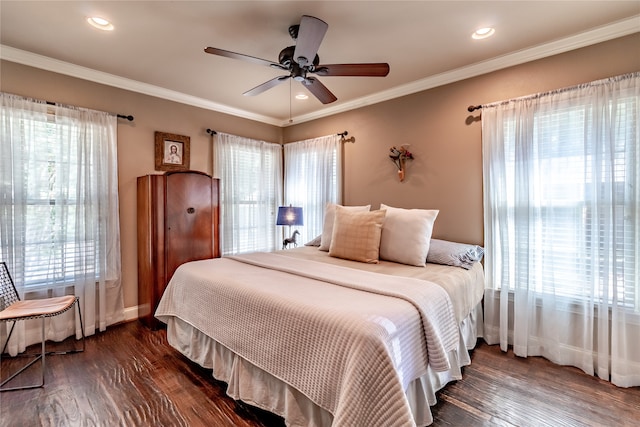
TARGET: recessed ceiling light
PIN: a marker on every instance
(483, 33)
(100, 23)
(301, 96)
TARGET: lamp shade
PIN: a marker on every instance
(289, 215)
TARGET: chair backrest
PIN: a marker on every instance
(8, 292)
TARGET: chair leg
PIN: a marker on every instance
(8, 338)
(81, 324)
(41, 356)
(37, 357)
(74, 350)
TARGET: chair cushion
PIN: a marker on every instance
(37, 307)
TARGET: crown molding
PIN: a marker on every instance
(50, 64)
(597, 35)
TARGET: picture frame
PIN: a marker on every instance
(172, 152)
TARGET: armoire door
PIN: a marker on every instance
(189, 214)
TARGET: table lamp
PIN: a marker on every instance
(290, 215)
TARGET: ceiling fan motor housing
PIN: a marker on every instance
(293, 31)
(286, 58)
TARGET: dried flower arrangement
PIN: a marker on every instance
(398, 156)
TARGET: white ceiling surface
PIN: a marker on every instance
(157, 47)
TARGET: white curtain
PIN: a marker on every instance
(60, 229)
(313, 178)
(562, 226)
(250, 173)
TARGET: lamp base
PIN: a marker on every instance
(291, 240)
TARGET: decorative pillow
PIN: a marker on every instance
(356, 235)
(314, 242)
(455, 254)
(406, 234)
(329, 216)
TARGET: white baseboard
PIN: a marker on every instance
(130, 313)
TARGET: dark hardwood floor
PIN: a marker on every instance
(130, 376)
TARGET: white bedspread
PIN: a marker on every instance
(350, 340)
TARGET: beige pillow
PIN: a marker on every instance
(356, 235)
(329, 216)
(406, 235)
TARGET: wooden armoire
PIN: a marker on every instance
(178, 222)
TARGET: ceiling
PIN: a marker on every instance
(157, 47)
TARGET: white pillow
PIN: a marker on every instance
(406, 235)
(329, 217)
(314, 242)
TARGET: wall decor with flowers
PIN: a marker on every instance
(399, 156)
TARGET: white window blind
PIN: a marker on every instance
(51, 242)
(250, 173)
(313, 178)
(580, 197)
(59, 216)
(562, 226)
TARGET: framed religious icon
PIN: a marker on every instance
(172, 152)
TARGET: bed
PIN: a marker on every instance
(325, 340)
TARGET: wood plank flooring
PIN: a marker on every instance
(130, 376)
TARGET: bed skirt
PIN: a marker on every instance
(257, 387)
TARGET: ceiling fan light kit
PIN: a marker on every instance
(302, 59)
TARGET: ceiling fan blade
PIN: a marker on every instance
(242, 57)
(310, 35)
(266, 86)
(319, 90)
(363, 70)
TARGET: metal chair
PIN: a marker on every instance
(14, 310)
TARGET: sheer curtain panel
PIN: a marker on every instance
(59, 230)
(562, 226)
(250, 173)
(313, 178)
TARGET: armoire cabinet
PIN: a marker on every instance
(178, 222)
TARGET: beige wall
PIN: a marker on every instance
(135, 139)
(445, 138)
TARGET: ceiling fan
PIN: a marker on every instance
(302, 59)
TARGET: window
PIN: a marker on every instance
(250, 175)
(578, 193)
(313, 172)
(562, 226)
(59, 205)
(59, 223)
(50, 237)
(251, 181)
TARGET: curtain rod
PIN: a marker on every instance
(120, 116)
(560, 90)
(213, 132)
(342, 136)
